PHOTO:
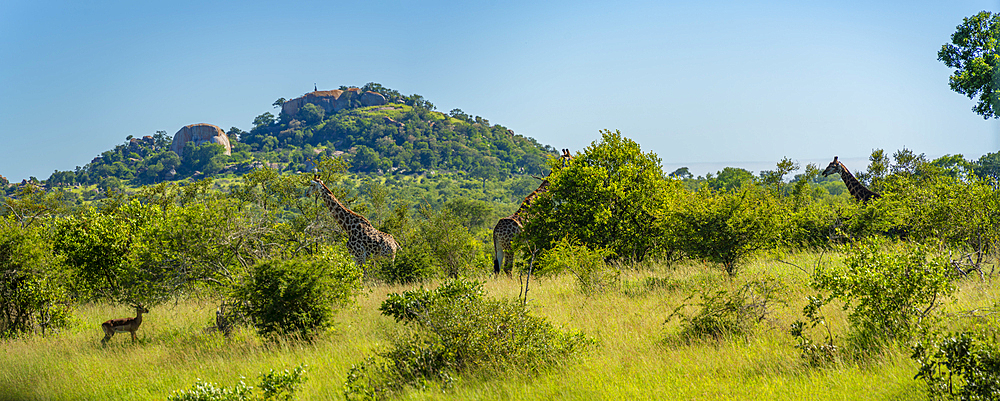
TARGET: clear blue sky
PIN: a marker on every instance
(701, 83)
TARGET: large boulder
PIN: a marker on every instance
(199, 134)
(370, 98)
(332, 101)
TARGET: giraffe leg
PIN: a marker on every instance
(360, 260)
(508, 266)
(498, 254)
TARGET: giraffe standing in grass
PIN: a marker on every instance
(508, 227)
(859, 191)
(363, 240)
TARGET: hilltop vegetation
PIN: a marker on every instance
(405, 135)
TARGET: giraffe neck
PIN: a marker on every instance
(857, 190)
(345, 217)
(519, 214)
(544, 186)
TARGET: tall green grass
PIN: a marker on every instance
(637, 356)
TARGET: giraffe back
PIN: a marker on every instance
(363, 239)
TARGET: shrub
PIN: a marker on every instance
(458, 329)
(100, 247)
(961, 366)
(611, 196)
(413, 264)
(812, 225)
(587, 265)
(886, 291)
(451, 245)
(723, 313)
(815, 353)
(277, 386)
(32, 284)
(726, 227)
(297, 296)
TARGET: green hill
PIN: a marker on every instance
(403, 135)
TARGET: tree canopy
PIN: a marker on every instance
(973, 52)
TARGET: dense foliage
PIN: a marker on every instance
(974, 52)
(961, 366)
(297, 296)
(609, 196)
(32, 291)
(888, 292)
(457, 328)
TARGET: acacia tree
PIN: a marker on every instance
(611, 196)
(728, 226)
(973, 52)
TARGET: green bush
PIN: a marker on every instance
(298, 296)
(592, 274)
(101, 249)
(413, 264)
(276, 386)
(726, 227)
(961, 366)
(457, 329)
(812, 225)
(887, 291)
(453, 247)
(722, 313)
(33, 284)
(610, 196)
(814, 352)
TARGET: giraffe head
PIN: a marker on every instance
(566, 157)
(316, 186)
(835, 167)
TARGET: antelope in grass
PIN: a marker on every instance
(125, 324)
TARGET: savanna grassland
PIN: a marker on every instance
(638, 354)
(643, 286)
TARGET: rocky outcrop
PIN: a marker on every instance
(333, 101)
(370, 98)
(199, 134)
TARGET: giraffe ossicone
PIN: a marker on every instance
(364, 241)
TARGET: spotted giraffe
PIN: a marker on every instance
(509, 227)
(859, 191)
(363, 240)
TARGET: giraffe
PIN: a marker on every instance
(508, 227)
(363, 240)
(859, 191)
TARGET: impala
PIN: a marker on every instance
(125, 324)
